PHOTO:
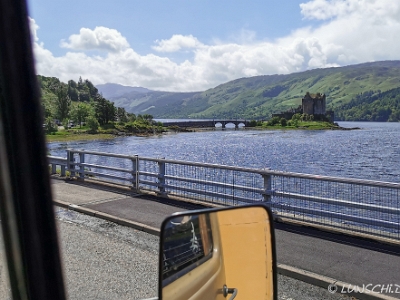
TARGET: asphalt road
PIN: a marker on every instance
(105, 261)
(338, 257)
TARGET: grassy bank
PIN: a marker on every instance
(304, 125)
(64, 136)
(107, 131)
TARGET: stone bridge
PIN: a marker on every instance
(206, 123)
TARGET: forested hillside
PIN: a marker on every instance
(77, 103)
(371, 106)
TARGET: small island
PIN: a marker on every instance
(311, 114)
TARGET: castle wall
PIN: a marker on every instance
(308, 106)
(314, 106)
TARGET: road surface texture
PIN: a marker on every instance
(106, 261)
(103, 259)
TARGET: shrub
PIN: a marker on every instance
(50, 126)
(283, 122)
(253, 123)
(92, 123)
(273, 121)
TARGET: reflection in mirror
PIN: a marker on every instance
(218, 254)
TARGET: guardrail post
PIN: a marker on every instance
(267, 188)
(62, 171)
(70, 163)
(135, 173)
(81, 167)
(161, 178)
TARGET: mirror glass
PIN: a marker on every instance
(218, 254)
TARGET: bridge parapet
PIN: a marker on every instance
(353, 206)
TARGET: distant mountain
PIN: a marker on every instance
(155, 103)
(111, 90)
(260, 96)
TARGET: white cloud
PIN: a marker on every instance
(323, 9)
(176, 43)
(329, 9)
(101, 38)
(33, 28)
(352, 31)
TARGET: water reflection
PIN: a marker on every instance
(370, 153)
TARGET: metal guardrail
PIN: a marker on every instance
(355, 205)
(55, 161)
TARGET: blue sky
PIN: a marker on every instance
(191, 45)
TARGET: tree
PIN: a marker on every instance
(104, 110)
(72, 83)
(295, 120)
(73, 93)
(148, 118)
(80, 82)
(50, 126)
(46, 110)
(283, 122)
(131, 117)
(84, 94)
(63, 103)
(93, 91)
(80, 112)
(93, 124)
(273, 121)
(121, 114)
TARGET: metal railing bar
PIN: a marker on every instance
(204, 165)
(102, 167)
(208, 193)
(344, 203)
(104, 154)
(142, 173)
(214, 183)
(356, 181)
(341, 216)
(104, 175)
(146, 182)
(56, 160)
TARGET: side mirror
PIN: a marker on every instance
(222, 254)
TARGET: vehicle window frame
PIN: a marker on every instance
(27, 212)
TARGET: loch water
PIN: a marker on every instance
(372, 152)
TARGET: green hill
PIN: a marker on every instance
(371, 106)
(260, 96)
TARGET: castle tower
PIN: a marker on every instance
(314, 104)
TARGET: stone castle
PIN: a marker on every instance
(311, 104)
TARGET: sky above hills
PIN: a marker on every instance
(182, 45)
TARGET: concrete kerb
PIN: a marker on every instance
(108, 217)
(296, 273)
